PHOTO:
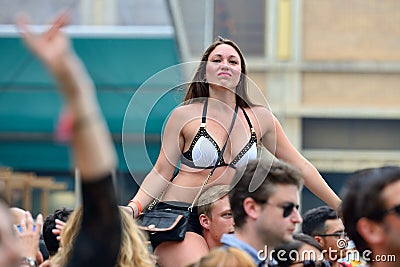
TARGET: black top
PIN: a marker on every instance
(98, 240)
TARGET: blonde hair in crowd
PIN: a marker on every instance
(210, 196)
(134, 244)
(225, 257)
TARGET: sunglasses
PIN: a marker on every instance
(311, 263)
(341, 234)
(287, 208)
(395, 209)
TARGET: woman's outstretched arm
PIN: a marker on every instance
(98, 241)
(276, 141)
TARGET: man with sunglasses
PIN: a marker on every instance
(371, 214)
(264, 202)
(324, 225)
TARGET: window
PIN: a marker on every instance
(242, 22)
(351, 134)
(335, 180)
(237, 20)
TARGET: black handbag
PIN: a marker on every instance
(164, 224)
(170, 224)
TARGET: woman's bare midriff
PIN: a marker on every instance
(188, 182)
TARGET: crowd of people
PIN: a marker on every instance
(239, 177)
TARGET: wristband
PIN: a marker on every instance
(133, 211)
(138, 205)
(27, 261)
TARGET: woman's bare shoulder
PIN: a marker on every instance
(185, 113)
(263, 118)
(260, 111)
(189, 110)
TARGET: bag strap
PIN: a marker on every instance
(218, 159)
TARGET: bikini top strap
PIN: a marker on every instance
(247, 118)
(203, 117)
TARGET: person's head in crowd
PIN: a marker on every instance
(49, 224)
(133, 249)
(308, 240)
(327, 228)
(9, 252)
(225, 257)
(215, 214)
(303, 251)
(273, 207)
(371, 212)
(265, 214)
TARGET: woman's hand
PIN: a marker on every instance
(59, 227)
(28, 235)
(51, 47)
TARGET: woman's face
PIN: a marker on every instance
(223, 67)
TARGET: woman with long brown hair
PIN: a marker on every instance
(216, 118)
